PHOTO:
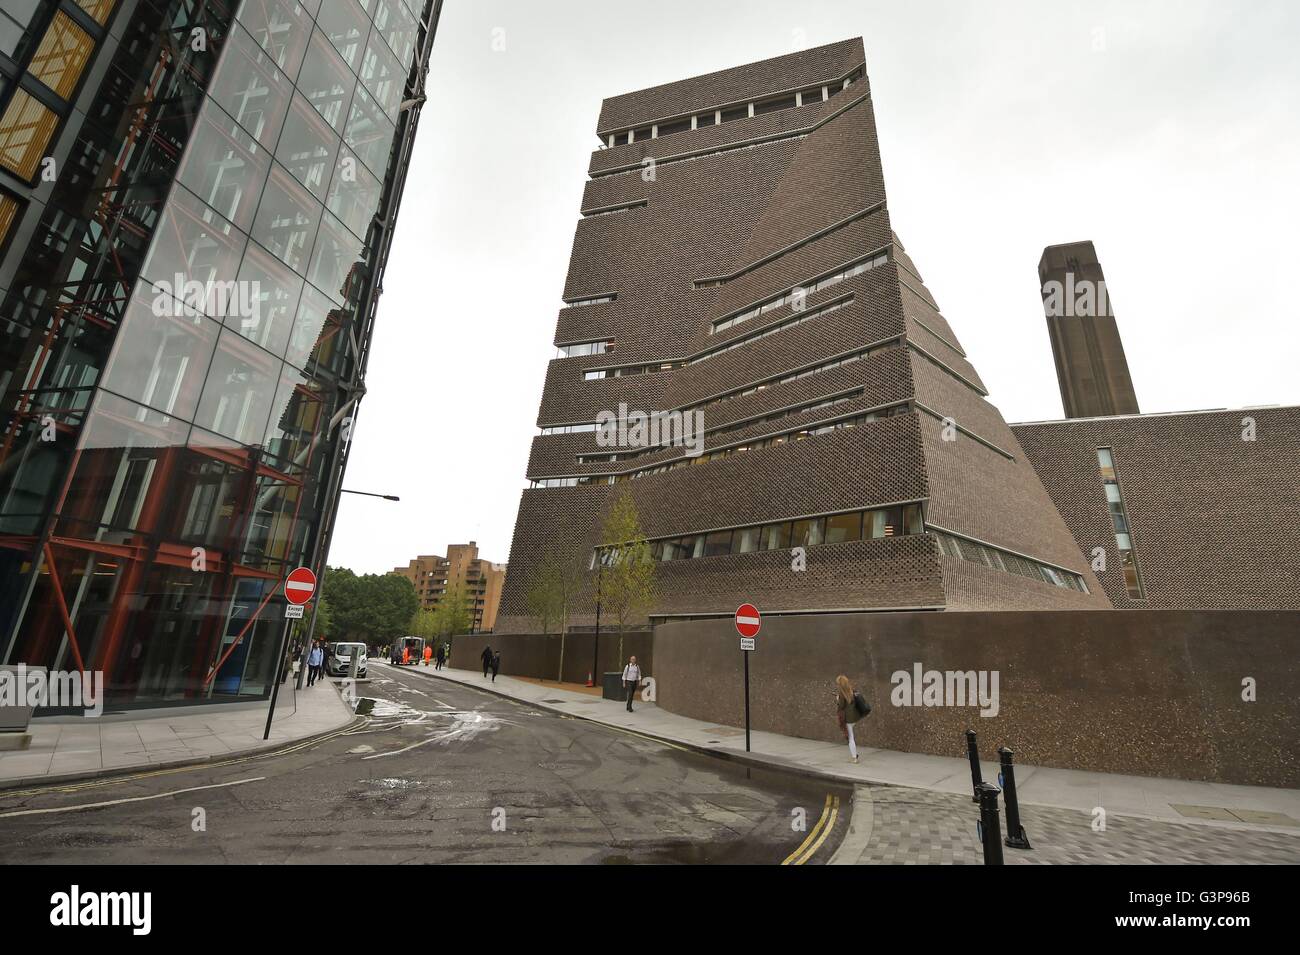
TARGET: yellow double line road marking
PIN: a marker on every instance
(808, 848)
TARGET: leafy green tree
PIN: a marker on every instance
(551, 595)
(627, 570)
(376, 608)
(454, 614)
(424, 624)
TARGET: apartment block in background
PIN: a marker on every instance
(735, 258)
(172, 448)
(481, 580)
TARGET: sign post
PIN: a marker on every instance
(298, 588)
(748, 623)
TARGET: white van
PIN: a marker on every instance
(340, 658)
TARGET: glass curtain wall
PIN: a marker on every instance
(200, 474)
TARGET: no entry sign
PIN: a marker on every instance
(748, 621)
(300, 585)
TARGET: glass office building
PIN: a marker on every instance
(196, 203)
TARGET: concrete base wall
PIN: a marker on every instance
(534, 655)
(1150, 693)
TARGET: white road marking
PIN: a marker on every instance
(115, 802)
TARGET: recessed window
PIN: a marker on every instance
(8, 214)
(773, 105)
(25, 132)
(667, 129)
(737, 112)
(706, 119)
(62, 55)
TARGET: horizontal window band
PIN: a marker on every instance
(715, 150)
(621, 207)
(840, 273)
(938, 531)
(755, 443)
(754, 98)
(873, 524)
(793, 246)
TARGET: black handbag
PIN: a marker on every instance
(860, 704)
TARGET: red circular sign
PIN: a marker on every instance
(300, 585)
(748, 621)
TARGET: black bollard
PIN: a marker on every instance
(990, 832)
(973, 753)
(1016, 837)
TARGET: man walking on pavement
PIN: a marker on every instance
(440, 657)
(631, 677)
(314, 660)
(486, 656)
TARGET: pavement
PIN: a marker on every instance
(71, 748)
(945, 781)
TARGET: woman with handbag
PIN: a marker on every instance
(850, 706)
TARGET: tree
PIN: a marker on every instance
(376, 608)
(551, 594)
(454, 614)
(627, 568)
(424, 624)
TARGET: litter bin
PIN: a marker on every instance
(15, 719)
(611, 686)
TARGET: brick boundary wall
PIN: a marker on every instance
(1149, 693)
(534, 655)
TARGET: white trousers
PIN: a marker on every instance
(853, 745)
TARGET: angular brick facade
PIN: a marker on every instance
(1214, 519)
(696, 222)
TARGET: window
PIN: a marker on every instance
(195, 243)
(97, 9)
(287, 222)
(717, 543)
(772, 105)
(808, 533)
(641, 135)
(736, 112)
(746, 540)
(354, 194)
(346, 26)
(705, 119)
(162, 355)
(307, 147)
(9, 208)
(251, 88)
(579, 349)
(593, 300)
(225, 166)
(843, 527)
(1119, 520)
(667, 129)
(25, 131)
(800, 292)
(622, 139)
(812, 96)
(62, 55)
(278, 292)
(279, 29)
(369, 132)
(327, 82)
(383, 75)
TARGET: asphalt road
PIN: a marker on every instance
(438, 773)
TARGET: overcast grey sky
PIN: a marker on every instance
(1168, 133)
